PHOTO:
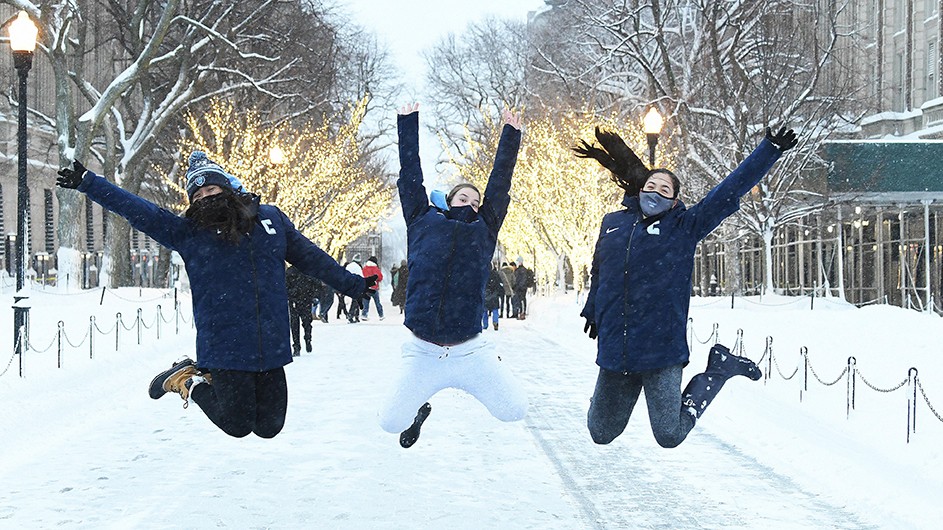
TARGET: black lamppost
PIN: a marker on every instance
(23, 41)
(652, 125)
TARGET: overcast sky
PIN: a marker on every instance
(411, 26)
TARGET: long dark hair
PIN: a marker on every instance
(625, 167)
(229, 213)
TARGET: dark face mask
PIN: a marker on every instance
(464, 214)
(653, 203)
(229, 214)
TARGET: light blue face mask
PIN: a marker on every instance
(653, 203)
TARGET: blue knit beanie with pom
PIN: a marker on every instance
(205, 172)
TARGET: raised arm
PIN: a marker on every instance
(165, 227)
(724, 199)
(311, 260)
(494, 206)
(412, 193)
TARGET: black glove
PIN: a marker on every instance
(369, 282)
(784, 140)
(71, 177)
(590, 328)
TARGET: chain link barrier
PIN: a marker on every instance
(694, 336)
(61, 335)
(850, 373)
(152, 324)
(121, 321)
(10, 362)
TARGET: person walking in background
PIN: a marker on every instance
(523, 280)
(508, 302)
(302, 291)
(494, 291)
(234, 250)
(371, 268)
(342, 307)
(450, 245)
(637, 306)
(325, 302)
(353, 308)
(398, 298)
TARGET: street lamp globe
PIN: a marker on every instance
(651, 124)
(23, 33)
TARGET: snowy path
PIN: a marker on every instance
(633, 483)
(83, 446)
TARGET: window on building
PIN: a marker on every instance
(931, 7)
(89, 227)
(50, 222)
(932, 67)
(898, 81)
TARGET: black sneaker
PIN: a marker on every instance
(156, 388)
(408, 437)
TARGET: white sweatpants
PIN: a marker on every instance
(472, 366)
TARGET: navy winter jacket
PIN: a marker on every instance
(641, 274)
(449, 261)
(240, 303)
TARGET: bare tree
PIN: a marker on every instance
(722, 72)
(134, 67)
(475, 72)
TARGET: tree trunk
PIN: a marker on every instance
(703, 279)
(561, 273)
(767, 259)
(116, 270)
(162, 277)
(733, 281)
(71, 211)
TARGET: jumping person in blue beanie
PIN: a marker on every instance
(235, 251)
(641, 282)
(449, 249)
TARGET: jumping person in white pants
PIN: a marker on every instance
(472, 366)
(449, 248)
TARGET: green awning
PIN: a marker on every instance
(884, 167)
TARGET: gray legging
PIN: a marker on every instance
(615, 397)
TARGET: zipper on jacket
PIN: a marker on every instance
(448, 276)
(625, 297)
(258, 311)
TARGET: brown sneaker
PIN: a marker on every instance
(172, 380)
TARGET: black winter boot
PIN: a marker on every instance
(721, 366)
(408, 437)
(725, 364)
(701, 390)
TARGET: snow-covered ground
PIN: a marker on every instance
(84, 446)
